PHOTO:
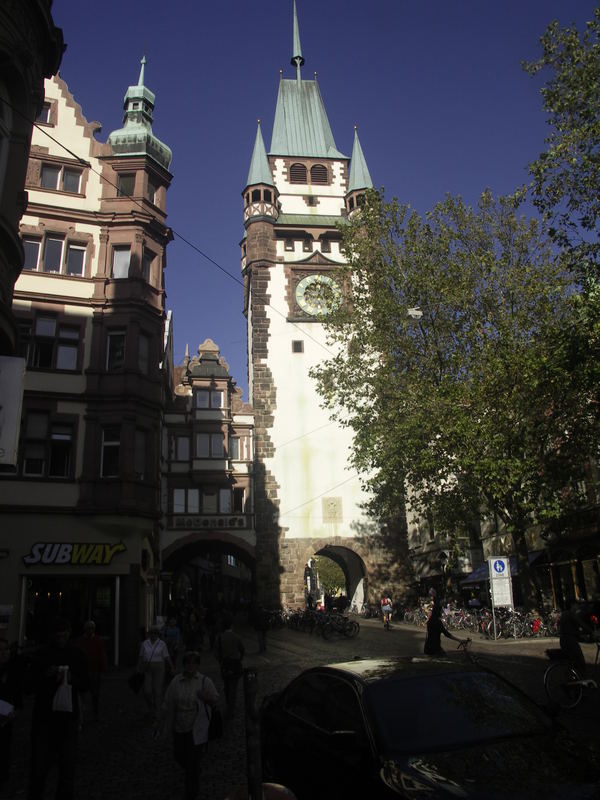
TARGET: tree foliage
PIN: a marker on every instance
(331, 575)
(566, 176)
(454, 366)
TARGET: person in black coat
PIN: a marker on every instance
(54, 731)
(11, 701)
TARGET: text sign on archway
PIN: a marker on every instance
(500, 581)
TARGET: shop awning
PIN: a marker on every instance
(482, 572)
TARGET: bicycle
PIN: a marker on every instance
(563, 683)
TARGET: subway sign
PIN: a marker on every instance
(74, 553)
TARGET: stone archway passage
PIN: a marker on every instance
(350, 562)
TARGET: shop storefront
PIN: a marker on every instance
(83, 574)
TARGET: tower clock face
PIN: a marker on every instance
(318, 295)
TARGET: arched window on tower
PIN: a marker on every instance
(256, 195)
(318, 174)
(298, 173)
(267, 194)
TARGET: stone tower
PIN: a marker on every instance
(307, 496)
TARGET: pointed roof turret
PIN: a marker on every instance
(359, 172)
(301, 127)
(260, 171)
(136, 137)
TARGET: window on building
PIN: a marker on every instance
(351, 203)
(311, 200)
(47, 344)
(111, 444)
(65, 179)
(289, 244)
(325, 245)
(268, 196)
(210, 445)
(71, 180)
(75, 259)
(43, 118)
(206, 398)
(318, 174)
(144, 353)
(61, 448)
(298, 173)
(234, 448)
(180, 448)
(256, 195)
(47, 447)
(231, 561)
(151, 190)
(307, 245)
(140, 457)
(50, 176)
(31, 249)
(147, 260)
(115, 351)
(52, 254)
(297, 346)
(238, 501)
(209, 501)
(225, 504)
(125, 185)
(121, 259)
(186, 501)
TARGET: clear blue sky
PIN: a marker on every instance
(435, 87)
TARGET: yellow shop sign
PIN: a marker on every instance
(75, 553)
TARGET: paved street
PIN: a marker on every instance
(119, 758)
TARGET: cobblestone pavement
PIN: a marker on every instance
(118, 758)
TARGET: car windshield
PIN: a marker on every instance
(442, 711)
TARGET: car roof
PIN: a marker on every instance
(371, 670)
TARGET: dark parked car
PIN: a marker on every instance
(418, 728)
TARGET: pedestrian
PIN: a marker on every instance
(572, 627)
(93, 647)
(188, 707)
(57, 675)
(260, 623)
(152, 658)
(435, 629)
(193, 633)
(11, 700)
(171, 635)
(230, 652)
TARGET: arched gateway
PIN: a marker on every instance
(307, 498)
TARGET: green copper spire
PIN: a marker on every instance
(301, 127)
(297, 59)
(136, 137)
(260, 172)
(359, 172)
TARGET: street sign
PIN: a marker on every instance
(500, 581)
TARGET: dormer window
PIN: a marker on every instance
(318, 174)
(325, 246)
(298, 173)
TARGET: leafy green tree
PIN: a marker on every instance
(566, 176)
(453, 367)
(331, 575)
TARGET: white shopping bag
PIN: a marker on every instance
(63, 696)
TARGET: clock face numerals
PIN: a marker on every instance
(318, 295)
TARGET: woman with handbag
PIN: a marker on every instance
(190, 702)
(151, 663)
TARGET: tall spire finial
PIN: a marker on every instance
(141, 78)
(297, 58)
